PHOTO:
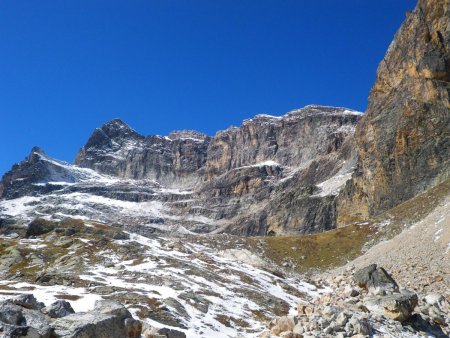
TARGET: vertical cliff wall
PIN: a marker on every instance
(403, 139)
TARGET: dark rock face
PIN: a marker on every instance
(403, 139)
(115, 149)
(58, 309)
(373, 277)
(26, 178)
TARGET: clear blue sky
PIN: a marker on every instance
(66, 67)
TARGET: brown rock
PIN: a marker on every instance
(402, 140)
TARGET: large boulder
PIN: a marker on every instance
(11, 314)
(18, 331)
(18, 321)
(39, 227)
(27, 301)
(375, 278)
(109, 319)
(149, 331)
(396, 306)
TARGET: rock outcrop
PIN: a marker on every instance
(116, 149)
(26, 177)
(404, 137)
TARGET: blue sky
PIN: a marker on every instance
(66, 67)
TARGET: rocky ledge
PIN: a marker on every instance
(363, 303)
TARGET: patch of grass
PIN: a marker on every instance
(230, 321)
(71, 223)
(261, 316)
(318, 251)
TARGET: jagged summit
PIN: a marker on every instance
(37, 150)
(187, 134)
(117, 128)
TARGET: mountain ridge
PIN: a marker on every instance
(218, 176)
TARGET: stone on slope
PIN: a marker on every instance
(109, 319)
(375, 279)
(58, 309)
(18, 321)
(396, 306)
(244, 256)
(149, 331)
(27, 301)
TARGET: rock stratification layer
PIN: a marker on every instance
(404, 137)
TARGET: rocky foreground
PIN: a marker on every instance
(363, 303)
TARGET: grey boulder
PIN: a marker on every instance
(396, 306)
(109, 319)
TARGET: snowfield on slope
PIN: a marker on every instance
(197, 290)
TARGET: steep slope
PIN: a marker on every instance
(40, 174)
(404, 138)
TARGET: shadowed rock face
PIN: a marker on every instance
(116, 149)
(404, 138)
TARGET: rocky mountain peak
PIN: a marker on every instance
(36, 154)
(110, 137)
(37, 150)
(116, 128)
(28, 176)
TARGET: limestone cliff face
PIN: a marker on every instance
(404, 137)
(185, 158)
(255, 179)
(290, 140)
